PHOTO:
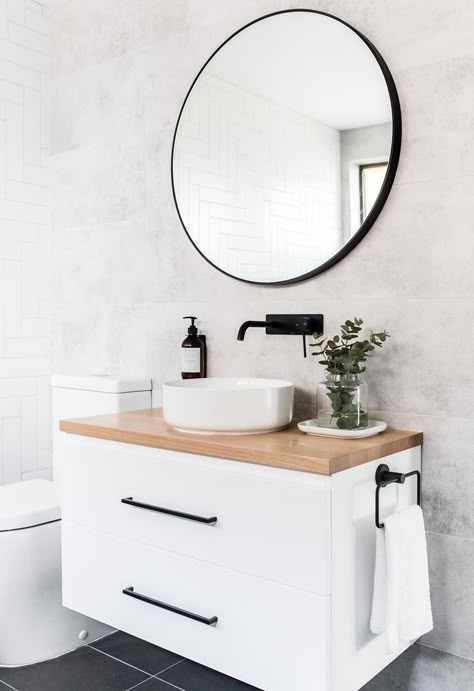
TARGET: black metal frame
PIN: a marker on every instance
(209, 621)
(391, 168)
(383, 477)
(212, 520)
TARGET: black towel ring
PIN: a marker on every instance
(383, 477)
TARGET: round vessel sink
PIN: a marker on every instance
(228, 405)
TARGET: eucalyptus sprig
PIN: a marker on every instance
(342, 354)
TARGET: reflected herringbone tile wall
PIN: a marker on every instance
(241, 214)
(25, 421)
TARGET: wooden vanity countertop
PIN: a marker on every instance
(288, 448)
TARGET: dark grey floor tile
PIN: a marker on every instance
(84, 669)
(6, 687)
(153, 684)
(150, 658)
(193, 677)
(425, 669)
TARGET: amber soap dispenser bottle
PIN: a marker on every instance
(193, 353)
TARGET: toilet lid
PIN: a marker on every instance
(29, 503)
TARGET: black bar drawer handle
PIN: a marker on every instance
(159, 509)
(184, 613)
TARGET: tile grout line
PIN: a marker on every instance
(444, 652)
(122, 661)
(143, 681)
(169, 667)
(8, 685)
(436, 179)
(412, 413)
(155, 676)
(163, 681)
(456, 537)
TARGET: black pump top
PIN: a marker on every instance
(192, 330)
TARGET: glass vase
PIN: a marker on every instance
(342, 402)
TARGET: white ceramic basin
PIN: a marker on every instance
(228, 405)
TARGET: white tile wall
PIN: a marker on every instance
(25, 419)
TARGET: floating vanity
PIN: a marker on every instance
(253, 555)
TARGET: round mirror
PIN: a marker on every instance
(286, 147)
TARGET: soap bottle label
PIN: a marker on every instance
(190, 360)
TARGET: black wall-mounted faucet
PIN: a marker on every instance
(287, 324)
(252, 324)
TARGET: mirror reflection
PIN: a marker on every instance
(282, 147)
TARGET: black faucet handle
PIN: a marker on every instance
(302, 324)
(307, 325)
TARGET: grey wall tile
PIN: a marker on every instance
(407, 34)
(424, 669)
(408, 254)
(106, 264)
(451, 562)
(183, 16)
(87, 105)
(407, 375)
(98, 182)
(448, 480)
(101, 339)
(125, 272)
(446, 117)
(91, 32)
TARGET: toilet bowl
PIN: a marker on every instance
(34, 624)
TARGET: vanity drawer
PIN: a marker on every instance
(263, 633)
(271, 523)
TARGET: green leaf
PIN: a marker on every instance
(344, 352)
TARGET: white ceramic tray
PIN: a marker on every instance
(312, 427)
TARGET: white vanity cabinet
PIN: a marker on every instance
(263, 573)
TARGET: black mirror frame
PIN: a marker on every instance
(391, 168)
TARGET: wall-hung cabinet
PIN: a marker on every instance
(263, 573)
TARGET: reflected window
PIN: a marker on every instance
(371, 177)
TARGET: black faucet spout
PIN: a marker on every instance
(246, 325)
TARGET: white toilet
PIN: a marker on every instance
(34, 624)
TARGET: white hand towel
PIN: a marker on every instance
(401, 604)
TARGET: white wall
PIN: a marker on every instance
(258, 184)
(25, 420)
(125, 273)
